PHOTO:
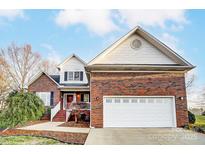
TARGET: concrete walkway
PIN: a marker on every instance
(144, 136)
(54, 126)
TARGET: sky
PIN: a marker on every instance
(56, 34)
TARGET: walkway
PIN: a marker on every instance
(54, 126)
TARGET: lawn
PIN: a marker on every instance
(200, 121)
(28, 140)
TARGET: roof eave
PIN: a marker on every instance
(137, 68)
(38, 75)
(68, 58)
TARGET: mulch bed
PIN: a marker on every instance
(81, 124)
(71, 138)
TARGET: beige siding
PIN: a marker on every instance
(73, 65)
(146, 54)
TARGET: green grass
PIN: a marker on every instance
(28, 140)
(200, 121)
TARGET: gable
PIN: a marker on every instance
(125, 54)
(71, 60)
(73, 64)
(153, 54)
(42, 80)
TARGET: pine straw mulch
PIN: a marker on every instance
(80, 124)
(70, 138)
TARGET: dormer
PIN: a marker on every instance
(72, 71)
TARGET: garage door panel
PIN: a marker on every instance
(139, 112)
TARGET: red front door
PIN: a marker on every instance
(69, 100)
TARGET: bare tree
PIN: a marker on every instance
(49, 67)
(190, 80)
(21, 62)
(4, 83)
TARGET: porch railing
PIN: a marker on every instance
(55, 110)
(80, 106)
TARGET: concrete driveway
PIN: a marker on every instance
(148, 136)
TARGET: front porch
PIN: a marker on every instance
(75, 100)
(73, 106)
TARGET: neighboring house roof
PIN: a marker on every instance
(54, 79)
(180, 62)
(68, 58)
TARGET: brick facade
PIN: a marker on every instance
(140, 84)
(45, 84)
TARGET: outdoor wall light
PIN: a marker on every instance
(97, 98)
(181, 98)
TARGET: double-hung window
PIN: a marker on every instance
(75, 76)
(46, 97)
(70, 76)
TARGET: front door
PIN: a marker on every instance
(69, 100)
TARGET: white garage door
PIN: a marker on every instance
(134, 111)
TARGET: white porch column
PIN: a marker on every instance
(64, 101)
(74, 97)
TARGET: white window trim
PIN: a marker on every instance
(73, 78)
(47, 98)
(87, 96)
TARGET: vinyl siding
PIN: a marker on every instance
(73, 65)
(146, 54)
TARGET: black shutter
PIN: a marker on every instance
(52, 99)
(81, 76)
(82, 97)
(65, 76)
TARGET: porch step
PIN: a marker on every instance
(60, 116)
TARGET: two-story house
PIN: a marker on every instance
(70, 86)
(138, 81)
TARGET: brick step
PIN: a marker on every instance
(59, 120)
(60, 116)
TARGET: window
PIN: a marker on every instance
(45, 96)
(65, 76)
(108, 100)
(117, 100)
(134, 100)
(70, 76)
(142, 100)
(75, 76)
(52, 99)
(150, 100)
(86, 97)
(125, 100)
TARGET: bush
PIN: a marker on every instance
(192, 117)
(198, 129)
(203, 113)
(20, 108)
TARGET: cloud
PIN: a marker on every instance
(102, 22)
(52, 54)
(12, 14)
(98, 21)
(153, 17)
(171, 41)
